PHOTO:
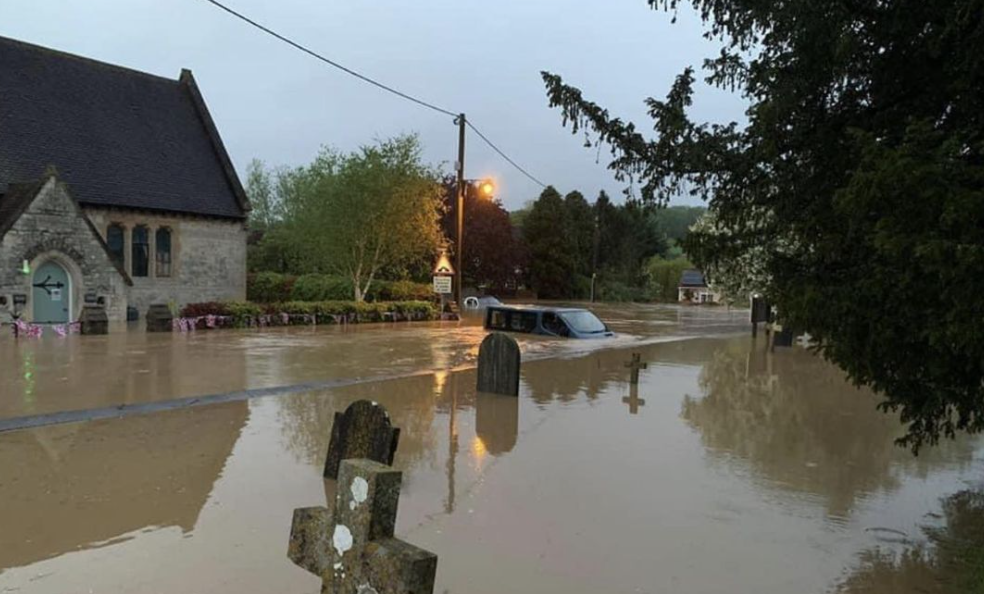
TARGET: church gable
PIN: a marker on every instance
(42, 223)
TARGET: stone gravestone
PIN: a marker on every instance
(364, 430)
(160, 318)
(351, 547)
(93, 320)
(498, 365)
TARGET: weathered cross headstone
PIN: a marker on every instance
(352, 547)
(160, 318)
(93, 320)
(633, 399)
(498, 365)
(635, 365)
(364, 430)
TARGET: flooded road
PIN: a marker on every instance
(86, 372)
(728, 469)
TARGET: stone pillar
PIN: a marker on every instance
(159, 318)
(93, 320)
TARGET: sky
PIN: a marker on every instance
(481, 57)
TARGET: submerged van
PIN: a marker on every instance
(566, 322)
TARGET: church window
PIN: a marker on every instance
(116, 243)
(141, 251)
(162, 250)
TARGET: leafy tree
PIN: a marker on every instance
(551, 251)
(493, 254)
(864, 146)
(663, 277)
(265, 202)
(374, 208)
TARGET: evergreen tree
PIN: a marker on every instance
(551, 251)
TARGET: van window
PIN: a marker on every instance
(497, 319)
(554, 325)
(522, 321)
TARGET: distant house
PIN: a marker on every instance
(693, 288)
(115, 189)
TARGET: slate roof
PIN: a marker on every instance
(118, 137)
(692, 278)
(14, 202)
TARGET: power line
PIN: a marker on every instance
(504, 155)
(371, 81)
(330, 62)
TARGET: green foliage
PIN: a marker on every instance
(627, 236)
(617, 291)
(269, 287)
(356, 215)
(581, 226)
(675, 221)
(493, 257)
(405, 290)
(663, 278)
(321, 287)
(246, 314)
(551, 252)
(859, 179)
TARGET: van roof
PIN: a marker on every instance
(544, 308)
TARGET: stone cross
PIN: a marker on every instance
(364, 430)
(498, 365)
(633, 399)
(635, 365)
(352, 547)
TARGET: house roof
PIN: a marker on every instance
(119, 137)
(692, 278)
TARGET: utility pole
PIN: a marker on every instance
(459, 247)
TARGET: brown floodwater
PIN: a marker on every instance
(728, 469)
(86, 372)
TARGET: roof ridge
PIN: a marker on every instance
(93, 61)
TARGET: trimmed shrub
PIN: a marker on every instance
(269, 287)
(321, 287)
(404, 290)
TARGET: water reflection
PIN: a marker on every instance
(496, 423)
(802, 427)
(950, 562)
(72, 487)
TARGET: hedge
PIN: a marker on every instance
(269, 287)
(243, 314)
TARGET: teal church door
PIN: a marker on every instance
(52, 295)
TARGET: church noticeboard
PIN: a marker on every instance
(442, 285)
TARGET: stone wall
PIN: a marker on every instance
(208, 257)
(54, 228)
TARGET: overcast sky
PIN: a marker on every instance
(482, 57)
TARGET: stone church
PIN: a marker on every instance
(115, 190)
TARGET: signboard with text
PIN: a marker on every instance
(442, 285)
